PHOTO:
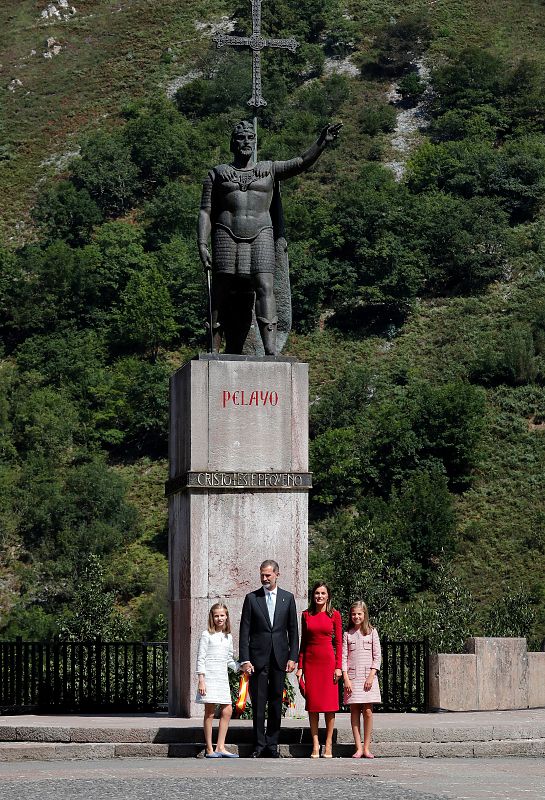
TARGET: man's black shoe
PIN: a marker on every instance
(273, 754)
(257, 754)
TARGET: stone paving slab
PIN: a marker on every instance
(220, 779)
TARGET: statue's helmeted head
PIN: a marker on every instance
(242, 133)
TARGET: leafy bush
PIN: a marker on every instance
(160, 140)
(510, 359)
(146, 315)
(105, 170)
(184, 276)
(400, 44)
(411, 87)
(64, 212)
(514, 614)
(133, 413)
(376, 118)
(171, 211)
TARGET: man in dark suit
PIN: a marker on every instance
(268, 648)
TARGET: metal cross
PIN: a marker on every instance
(256, 42)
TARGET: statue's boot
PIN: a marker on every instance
(267, 329)
(217, 333)
(217, 336)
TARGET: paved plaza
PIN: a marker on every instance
(285, 779)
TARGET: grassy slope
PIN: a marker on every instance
(501, 517)
(112, 52)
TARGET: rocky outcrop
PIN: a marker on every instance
(59, 11)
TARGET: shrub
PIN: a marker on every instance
(64, 212)
(105, 170)
(160, 141)
(376, 118)
(401, 43)
(411, 87)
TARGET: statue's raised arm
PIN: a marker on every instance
(236, 215)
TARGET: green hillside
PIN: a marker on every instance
(418, 303)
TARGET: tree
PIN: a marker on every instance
(377, 117)
(64, 212)
(92, 611)
(450, 423)
(186, 284)
(426, 517)
(363, 567)
(146, 314)
(473, 78)
(171, 212)
(466, 243)
(336, 466)
(118, 253)
(133, 411)
(105, 170)
(309, 277)
(399, 44)
(160, 140)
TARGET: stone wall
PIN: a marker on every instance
(493, 674)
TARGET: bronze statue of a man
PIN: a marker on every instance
(236, 213)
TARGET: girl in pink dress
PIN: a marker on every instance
(361, 661)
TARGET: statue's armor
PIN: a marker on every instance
(239, 203)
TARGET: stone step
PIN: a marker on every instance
(56, 751)
(240, 733)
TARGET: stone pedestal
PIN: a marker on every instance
(238, 494)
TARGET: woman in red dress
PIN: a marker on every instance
(320, 659)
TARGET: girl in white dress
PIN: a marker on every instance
(215, 655)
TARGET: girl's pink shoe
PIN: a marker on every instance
(357, 755)
(368, 755)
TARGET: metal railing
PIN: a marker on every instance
(403, 677)
(133, 676)
(83, 676)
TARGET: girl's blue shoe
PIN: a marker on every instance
(212, 755)
(228, 755)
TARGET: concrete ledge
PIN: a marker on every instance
(536, 680)
(43, 734)
(91, 735)
(453, 681)
(40, 751)
(8, 733)
(46, 751)
(495, 673)
(513, 747)
(447, 750)
(408, 734)
(475, 734)
(84, 751)
(518, 732)
(395, 749)
(25, 751)
(135, 750)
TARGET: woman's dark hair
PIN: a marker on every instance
(328, 607)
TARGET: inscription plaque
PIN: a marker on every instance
(239, 480)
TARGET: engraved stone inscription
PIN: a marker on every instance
(240, 480)
(249, 397)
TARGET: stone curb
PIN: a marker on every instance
(289, 736)
(49, 751)
(40, 751)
